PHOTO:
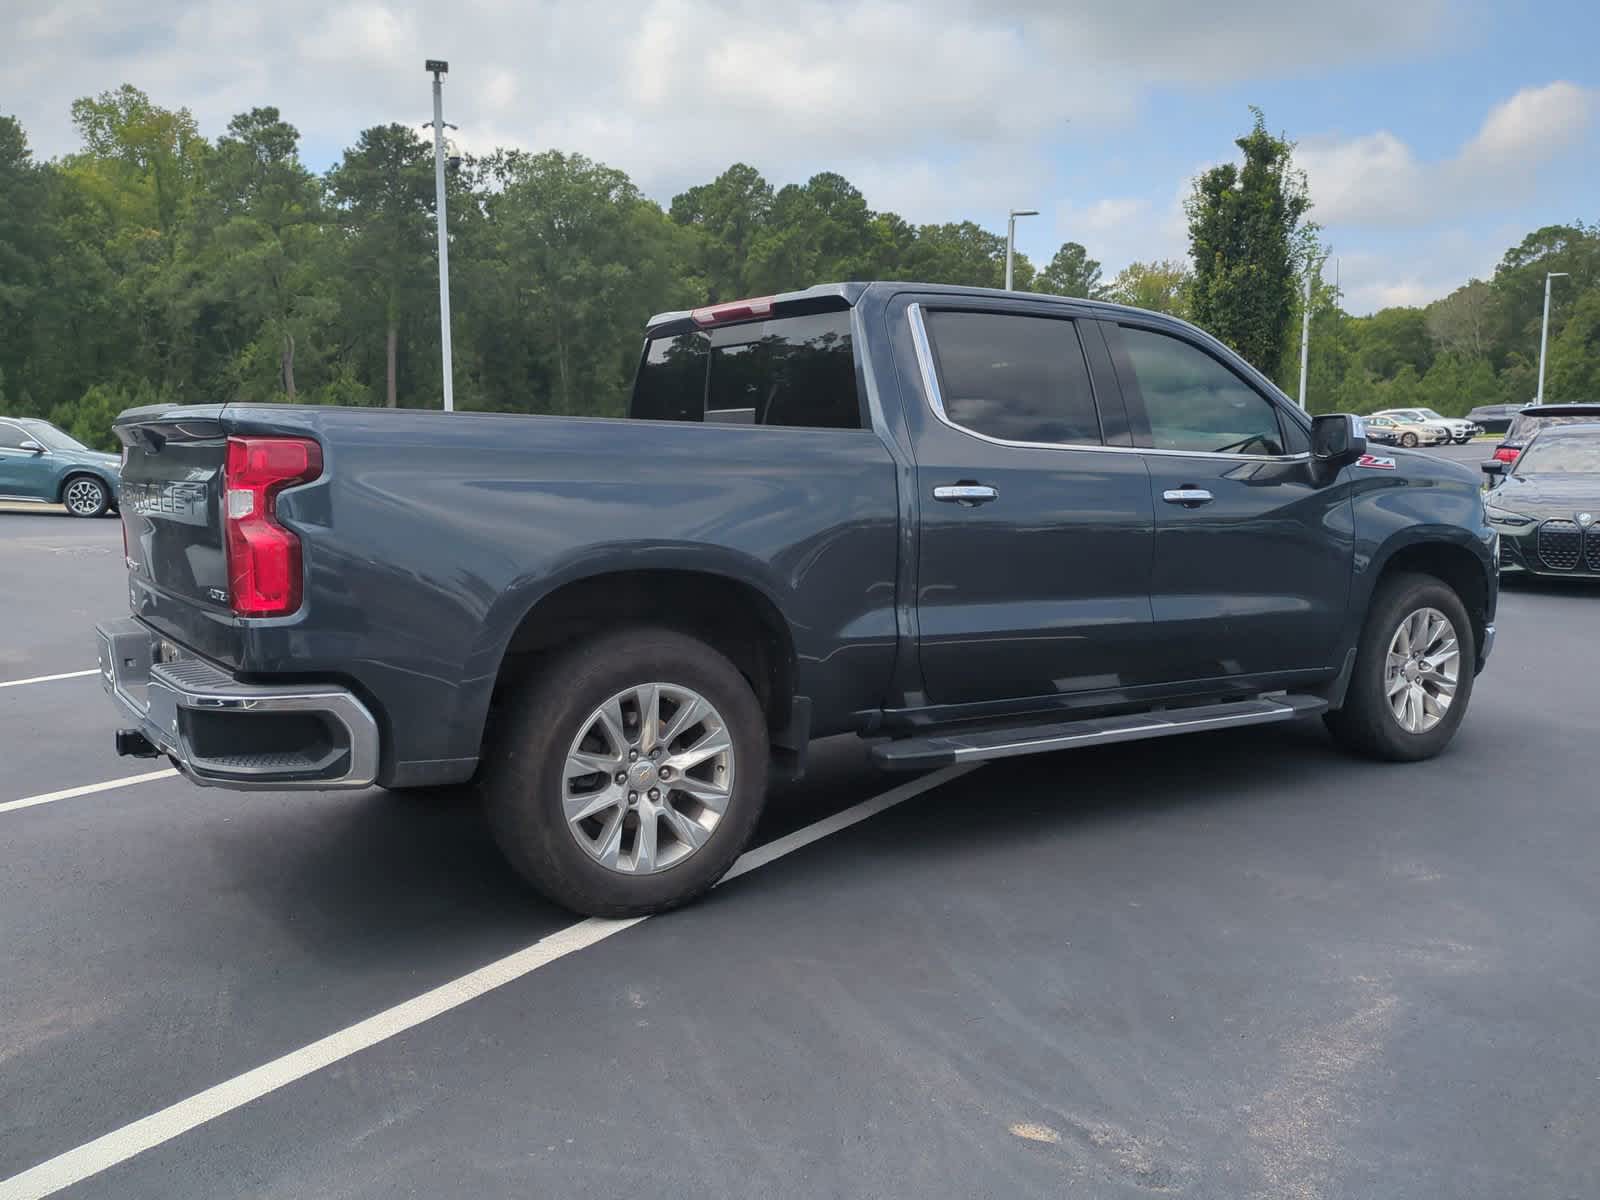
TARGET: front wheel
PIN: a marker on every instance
(1413, 674)
(1408, 440)
(629, 774)
(85, 496)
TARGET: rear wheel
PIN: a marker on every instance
(629, 774)
(86, 496)
(1413, 674)
(1408, 440)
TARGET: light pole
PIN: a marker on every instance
(1544, 329)
(1305, 328)
(439, 68)
(1011, 237)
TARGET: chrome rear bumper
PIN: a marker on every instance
(224, 733)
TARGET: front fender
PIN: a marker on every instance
(1397, 514)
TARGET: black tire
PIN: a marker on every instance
(1366, 724)
(523, 783)
(1408, 440)
(85, 496)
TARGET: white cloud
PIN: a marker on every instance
(937, 109)
(1377, 180)
(671, 89)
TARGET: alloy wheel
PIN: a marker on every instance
(648, 778)
(85, 497)
(1422, 670)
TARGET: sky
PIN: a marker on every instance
(1435, 133)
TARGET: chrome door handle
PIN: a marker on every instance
(965, 493)
(1187, 496)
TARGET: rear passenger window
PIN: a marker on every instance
(794, 371)
(1020, 379)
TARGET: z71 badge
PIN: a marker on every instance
(1375, 462)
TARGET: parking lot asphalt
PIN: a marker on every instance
(1226, 965)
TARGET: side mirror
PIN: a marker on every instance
(1338, 438)
(33, 446)
(1495, 470)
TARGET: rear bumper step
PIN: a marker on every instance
(224, 733)
(926, 753)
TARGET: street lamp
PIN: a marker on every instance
(1544, 330)
(1312, 268)
(439, 68)
(1011, 237)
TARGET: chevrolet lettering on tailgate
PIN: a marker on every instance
(182, 501)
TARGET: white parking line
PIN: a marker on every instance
(122, 1144)
(49, 678)
(87, 789)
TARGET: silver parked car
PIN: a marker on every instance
(1394, 432)
(1461, 429)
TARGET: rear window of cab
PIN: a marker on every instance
(795, 371)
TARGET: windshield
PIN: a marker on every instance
(1569, 455)
(1430, 414)
(51, 437)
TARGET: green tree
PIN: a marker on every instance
(26, 246)
(1071, 273)
(965, 253)
(1393, 338)
(1249, 244)
(1460, 323)
(257, 251)
(572, 263)
(1157, 286)
(383, 193)
(126, 196)
(817, 233)
(729, 214)
(1519, 284)
(1573, 369)
(145, 161)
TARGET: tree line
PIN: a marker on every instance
(155, 265)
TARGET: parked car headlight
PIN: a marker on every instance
(1504, 516)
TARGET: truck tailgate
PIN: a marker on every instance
(171, 519)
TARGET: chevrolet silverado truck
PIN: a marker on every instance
(967, 524)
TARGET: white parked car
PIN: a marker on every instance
(1460, 429)
(1392, 431)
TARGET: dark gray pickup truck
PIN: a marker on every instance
(969, 523)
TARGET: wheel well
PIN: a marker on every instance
(1457, 567)
(80, 473)
(733, 617)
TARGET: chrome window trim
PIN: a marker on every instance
(930, 387)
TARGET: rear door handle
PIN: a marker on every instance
(1187, 496)
(965, 493)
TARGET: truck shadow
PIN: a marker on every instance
(382, 876)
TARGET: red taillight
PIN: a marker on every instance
(1505, 454)
(734, 310)
(263, 556)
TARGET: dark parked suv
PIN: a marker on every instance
(968, 523)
